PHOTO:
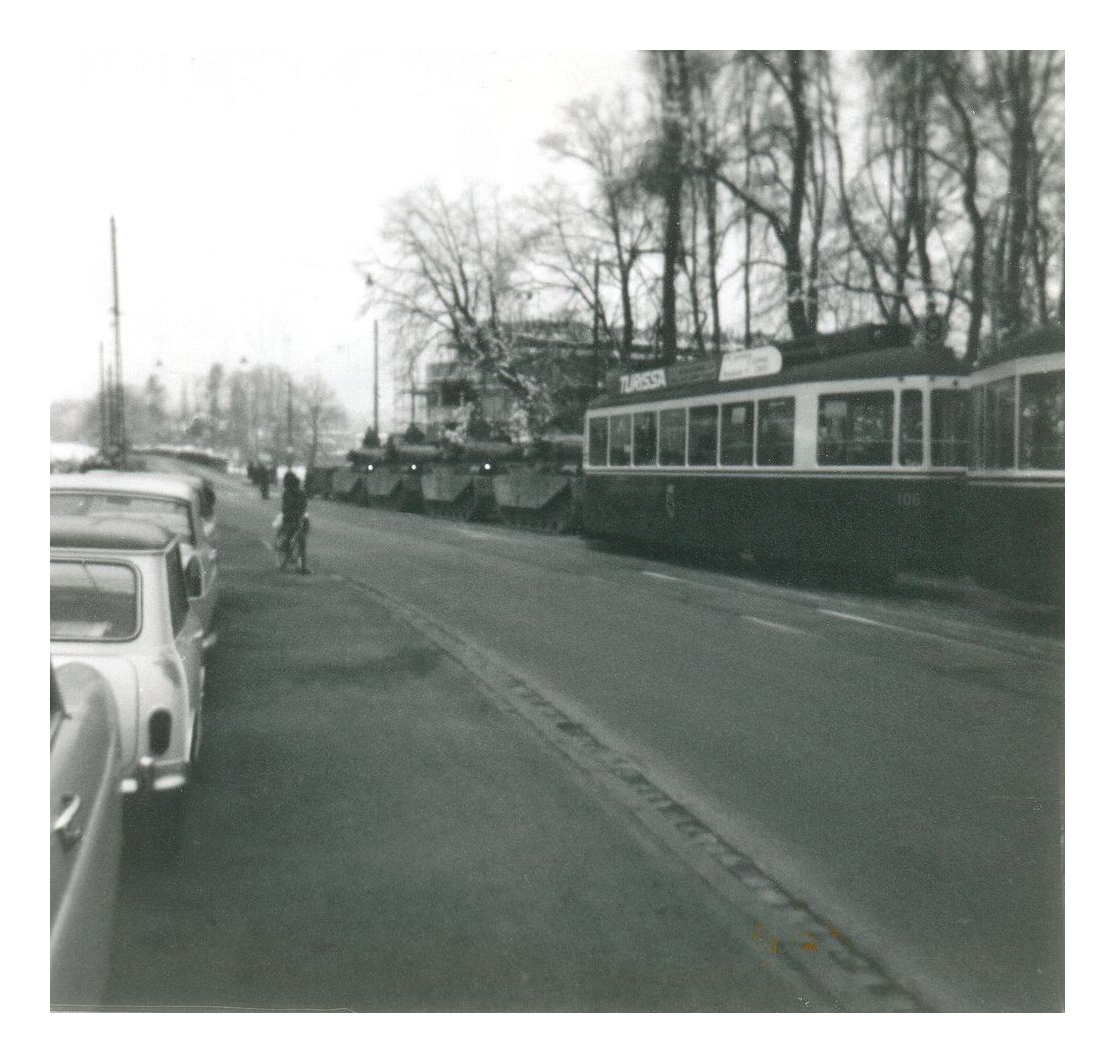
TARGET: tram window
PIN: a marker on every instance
(997, 435)
(619, 440)
(737, 434)
(855, 428)
(671, 445)
(702, 435)
(646, 438)
(975, 412)
(776, 432)
(1041, 432)
(910, 448)
(598, 440)
(948, 427)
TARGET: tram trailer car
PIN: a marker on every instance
(1015, 486)
(846, 456)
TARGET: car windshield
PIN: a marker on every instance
(93, 601)
(169, 513)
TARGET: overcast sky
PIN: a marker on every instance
(246, 185)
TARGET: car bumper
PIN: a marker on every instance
(155, 776)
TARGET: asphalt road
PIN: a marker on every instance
(463, 767)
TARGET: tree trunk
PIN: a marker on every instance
(623, 268)
(747, 222)
(676, 91)
(791, 238)
(1018, 80)
(671, 248)
(977, 283)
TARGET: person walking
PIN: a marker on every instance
(295, 526)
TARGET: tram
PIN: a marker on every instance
(1014, 497)
(846, 454)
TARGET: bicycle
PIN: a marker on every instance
(291, 548)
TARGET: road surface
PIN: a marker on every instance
(795, 797)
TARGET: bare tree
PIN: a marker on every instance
(957, 78)
(323, 413)
(615, 227)
(771, 172)
(1028, 91)
(456, 271)
(668, 177)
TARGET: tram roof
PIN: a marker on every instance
(907, 360)
(1049, 339)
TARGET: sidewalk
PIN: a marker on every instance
(368, 834)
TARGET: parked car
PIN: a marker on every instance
(86, 827)
(155, 498)
(206, 493)
(119, 601)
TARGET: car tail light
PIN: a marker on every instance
(158, 731)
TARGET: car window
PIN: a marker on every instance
(169, 513)
(93, 601)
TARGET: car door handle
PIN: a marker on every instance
(67, 830)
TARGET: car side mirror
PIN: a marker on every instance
(193, 578)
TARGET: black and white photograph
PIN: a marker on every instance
(550, 530)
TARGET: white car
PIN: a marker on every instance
(119, 602)
(206, 495)
(170, 501)
(86, 828)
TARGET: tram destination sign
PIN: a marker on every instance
(758, 361)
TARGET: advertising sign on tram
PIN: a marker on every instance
(648, 380)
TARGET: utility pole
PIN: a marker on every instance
(102, 397)
(289, 422)
(596, 324)
(120, 435)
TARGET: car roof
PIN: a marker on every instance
(108, 533)
(134, 483)
(184, 476)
